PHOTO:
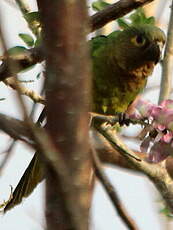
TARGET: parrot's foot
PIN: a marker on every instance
(123, 119)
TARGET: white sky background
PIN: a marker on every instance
(137, 193)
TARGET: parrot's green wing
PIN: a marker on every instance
(33, 175)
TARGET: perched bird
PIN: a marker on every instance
(121, 63)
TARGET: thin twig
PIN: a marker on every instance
(105, 130)
(7, 155)
(34, 106)
(16, 129)
(166, 81)
(24, 91)
(110, 190)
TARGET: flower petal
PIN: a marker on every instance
(159, 152)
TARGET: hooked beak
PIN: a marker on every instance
(154, 51)
(160, 46)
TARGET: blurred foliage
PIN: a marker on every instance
(166, 212)
(31, 40)
(16, 50)
(27, 39)
(99, 5)
(33, 20)
(33, 17)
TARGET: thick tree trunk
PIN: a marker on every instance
(67, 87)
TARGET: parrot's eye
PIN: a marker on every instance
(138, 40)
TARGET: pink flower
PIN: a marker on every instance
(167, 138)
(160, 145)
(167, 104)
(159, 152)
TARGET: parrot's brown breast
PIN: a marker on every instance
(144, 70)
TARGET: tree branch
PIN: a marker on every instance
(67, 70)
(16, 129)
(156, 172)
(167, 66)
(114, 11)
(54, 159)
(128, 221)
(8, 152)
(108, 154)
(25, 91)
(159, 175)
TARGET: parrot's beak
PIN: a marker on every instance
(160, 46)
(154, 51)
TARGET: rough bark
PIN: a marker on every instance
(67, 95)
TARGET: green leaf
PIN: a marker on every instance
(32, 17)
(99, 5)
(16, 50)
(33, 20)
(38, 41)
(122, 23)
(28, 39)
(166, 212)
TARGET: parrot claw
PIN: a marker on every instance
(123, 119)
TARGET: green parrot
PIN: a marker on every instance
(121, 64)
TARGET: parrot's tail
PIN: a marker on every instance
(33, 175)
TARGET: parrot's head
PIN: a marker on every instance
(138, 48)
